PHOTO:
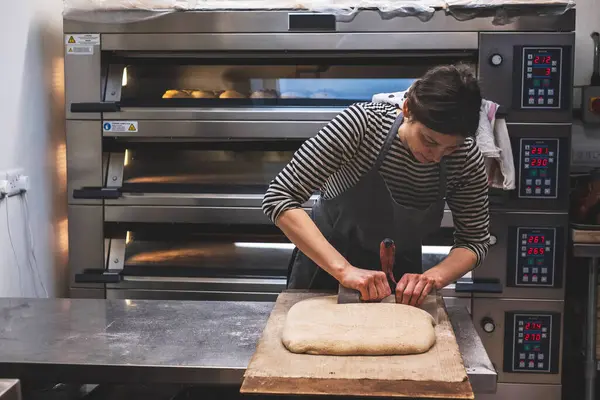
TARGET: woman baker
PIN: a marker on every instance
(387, 173)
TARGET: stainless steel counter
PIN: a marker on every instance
(145, 341)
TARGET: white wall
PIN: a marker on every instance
(32, 138)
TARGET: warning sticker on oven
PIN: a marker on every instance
(89, 39)
(78, 50)
(120, 126)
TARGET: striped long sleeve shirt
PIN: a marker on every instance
(346, 149)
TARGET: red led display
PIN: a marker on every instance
(539, 150)
(535, 251)
(542, 59)
(539, 162)
(536, 239)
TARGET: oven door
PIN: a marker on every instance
(240, 91)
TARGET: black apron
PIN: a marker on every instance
(356, 221)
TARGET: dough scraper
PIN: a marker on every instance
(387, 253)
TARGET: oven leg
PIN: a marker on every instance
(592, 319)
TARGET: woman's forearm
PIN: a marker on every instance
(458, 263)
(302, 231)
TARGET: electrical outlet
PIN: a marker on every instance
(14, 182)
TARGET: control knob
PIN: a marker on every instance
(488, 325)
(496, 59)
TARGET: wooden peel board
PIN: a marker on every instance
(437, 374)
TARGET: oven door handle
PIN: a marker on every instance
(98, 276)
(97, 193)
(479, 285)
(98, 107)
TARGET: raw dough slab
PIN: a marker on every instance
(321, 326)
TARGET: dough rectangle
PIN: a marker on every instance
(438, 373)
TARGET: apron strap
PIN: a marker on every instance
(389, 140)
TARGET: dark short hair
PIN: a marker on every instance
(447, 99)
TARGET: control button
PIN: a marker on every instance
(528, 190)
(547, 182)
(525, 270)
(531, 100)
(524, 241)
(526, 159)
(544, 270)
(550, 92)
(529, 69)
(520, 329)
(551, 160)
(523, 248)
(540, 356)
(521, 364)
(534, 278)
(531, 356)
(520, 341)
(550, 100)
(538, 181)
(520, 323)
(535, 270)
(520, 334)
(529, 76)
(544, 279)
(525, 278)
(546, 191)
(531, 364)
(544, 336)
(540, 365)
(521, 356)
(526, 153)
(541, 92)
(488, 325)
(527, 147)
(496, 59)
(547, 248)
(551, 154)
(553, 69)
(544, 329)
(538, 190)
(523, 254)
(554, 62)
(529, 62)
(540, 100)
(529, 56)
(532, 92)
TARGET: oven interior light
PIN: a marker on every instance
(127, 158)
(128, 237)
(257, 245)
(124, 80)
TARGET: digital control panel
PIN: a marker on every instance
(535, 342)
(536, 257)
(542, 77)
(538, 167)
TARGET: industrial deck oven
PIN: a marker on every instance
(177, 124)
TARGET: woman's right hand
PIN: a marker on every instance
(372, 285)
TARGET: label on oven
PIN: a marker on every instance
(88, 39)
(77, 50)
(120, 126)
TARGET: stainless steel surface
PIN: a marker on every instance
(591, 321)
(495, 264)
(84, 81)
(144, 341)
(347, 295)
(277, 22)
(482, 373)
(86, 241)
(522, 391)
(290, 41)
(289, 127)
(84, 157)
(495, 309)
(10, 389)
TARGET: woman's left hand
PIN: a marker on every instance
(413, 288)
